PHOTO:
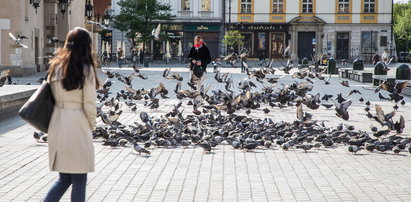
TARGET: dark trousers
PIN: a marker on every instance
(78, 193)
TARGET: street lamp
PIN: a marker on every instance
(89, 10)
(106, 18)
(35, 3)
(63, 6)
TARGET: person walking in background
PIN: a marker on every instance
(141, 56)
(134, 55)
(243, 58)
(199, 58)
(376, 58)
(73, 81)
(120, 57)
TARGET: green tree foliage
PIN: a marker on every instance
(141, 16)
(402, 24)
(233, 38)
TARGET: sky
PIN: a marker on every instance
(403, 1)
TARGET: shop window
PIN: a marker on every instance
(246, 6)
(368, 42)
(343, 6)
(307, 6)
(383, 40)
(185, 5)
(206, 5)
(278, 6)
(369, 6)
(261, 41)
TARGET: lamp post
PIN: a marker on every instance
(63, 4)
(229, 15)
(106, 18)
(89, 10)
(35, 3)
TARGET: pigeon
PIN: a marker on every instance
(205, 145)
(140, 149)
(344, 83)
(305, 147)
(17, 41)
(354, 149)
(3, 76)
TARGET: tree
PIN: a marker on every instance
(141, 16)
(233, 38)
(402, 25)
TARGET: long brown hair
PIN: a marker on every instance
(73, 58)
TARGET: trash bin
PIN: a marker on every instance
(379, 69)
(304, 61)
(358, 64)
(146, 61)
(331, 66)
(403, 72)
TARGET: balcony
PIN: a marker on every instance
(205, 14)
(185, 14)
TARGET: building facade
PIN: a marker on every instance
(344, 28)
(40, 26)
(192, 17)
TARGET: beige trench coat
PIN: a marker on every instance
(70, 138)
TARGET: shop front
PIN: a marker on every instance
(267, 40)
(209, 32)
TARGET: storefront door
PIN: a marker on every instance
(277, 45)
(342, 45)
(305, 45)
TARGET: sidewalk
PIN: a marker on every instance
(226, 174)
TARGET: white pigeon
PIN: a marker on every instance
(17, 40)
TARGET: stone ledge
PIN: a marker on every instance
(12, 97)
(20, 71)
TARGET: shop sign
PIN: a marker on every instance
(257, 27)
(202, 28)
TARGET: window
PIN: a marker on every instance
(278, 6)
(185, 5)
(206, 5)
(245, 6)
(343, 6)
(369, 6)
(307, 6)
(383, 41)
(368, 41)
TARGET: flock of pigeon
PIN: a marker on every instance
(215, 120)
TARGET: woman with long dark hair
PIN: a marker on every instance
(73, 81)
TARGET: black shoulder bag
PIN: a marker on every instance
(38, 109)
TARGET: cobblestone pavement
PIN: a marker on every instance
(177, 174)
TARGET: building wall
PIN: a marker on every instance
(20, 17)
(324, 9)
(325, 21)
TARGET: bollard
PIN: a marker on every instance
(379, 69)
(331, 66)
(403, 72)
(358, 64)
